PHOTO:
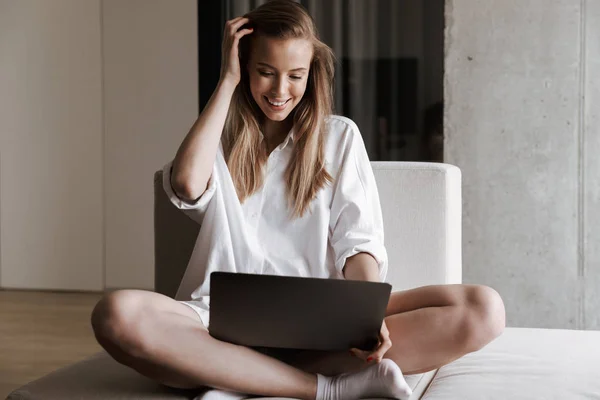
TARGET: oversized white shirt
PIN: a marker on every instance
(259, 237)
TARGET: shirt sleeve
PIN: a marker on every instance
(356, 223)
(196, 209)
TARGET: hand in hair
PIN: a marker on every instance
(230, 63)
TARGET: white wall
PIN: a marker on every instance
(51, 145)
(96, 95)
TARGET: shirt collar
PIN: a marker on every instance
(291, 136)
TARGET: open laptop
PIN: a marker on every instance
(297, 313)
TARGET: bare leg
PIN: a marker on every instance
(166, 341)
(429, 327)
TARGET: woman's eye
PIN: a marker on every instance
(295, 77)
(265, 73)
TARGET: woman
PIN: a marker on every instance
(283, 187)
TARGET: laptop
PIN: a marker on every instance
(296, 313)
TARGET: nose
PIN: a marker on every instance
(279, 87)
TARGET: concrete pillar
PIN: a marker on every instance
(590, 219)
(521, 94)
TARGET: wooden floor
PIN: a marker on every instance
(42, 331)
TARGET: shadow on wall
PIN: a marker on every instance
(432, 144)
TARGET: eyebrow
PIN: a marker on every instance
(270, 66)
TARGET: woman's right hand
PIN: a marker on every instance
(230, 62)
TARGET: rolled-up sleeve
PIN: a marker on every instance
(195, 210)
(356, 223)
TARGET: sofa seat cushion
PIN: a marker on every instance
(95, 378)
(520, 364)
(525, 364)
(100, 377)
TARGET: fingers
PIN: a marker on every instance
(384, 345)
(239, 34)
(232, 21)
(376, 355)
(362, 354)
(230, 68)
(233, 33)
(233, 25)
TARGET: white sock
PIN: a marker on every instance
(384, 379)
(215, 394)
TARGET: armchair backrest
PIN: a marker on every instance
(421, 206)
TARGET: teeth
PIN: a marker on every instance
(277, 104)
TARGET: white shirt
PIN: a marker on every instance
(258, 236)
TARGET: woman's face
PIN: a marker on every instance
(278, 71)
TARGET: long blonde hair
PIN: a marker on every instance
(245, 153)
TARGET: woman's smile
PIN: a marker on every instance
(277, 105)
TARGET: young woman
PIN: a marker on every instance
(283, 187)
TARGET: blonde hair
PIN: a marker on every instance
(245, 153)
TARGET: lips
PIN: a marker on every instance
(276, 104)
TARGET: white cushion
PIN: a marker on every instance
(525, 363)
(421, 205)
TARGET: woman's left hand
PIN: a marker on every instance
(376, 355)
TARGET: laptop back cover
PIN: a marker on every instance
(292, 312)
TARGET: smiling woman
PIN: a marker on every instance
(278, 71)
(260, 162)
(278, 75)
(282, 186)
(390, 67)
(285, 82)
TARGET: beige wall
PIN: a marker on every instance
(96, 95)
(51, 145)
(151, 101)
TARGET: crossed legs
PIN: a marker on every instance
(429, 326)
(166, 341)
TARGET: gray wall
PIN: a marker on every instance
(522, 100)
